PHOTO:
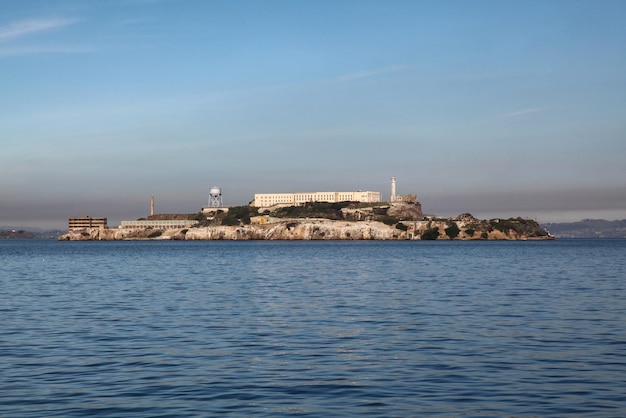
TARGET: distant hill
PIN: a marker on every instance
(588, 228)
(16, 234)
(9, 232)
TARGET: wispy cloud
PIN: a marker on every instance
(521, 113)
(135, 20)
(10, 52)
(26, 27)
(371, 73)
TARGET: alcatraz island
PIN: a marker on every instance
(360, 215)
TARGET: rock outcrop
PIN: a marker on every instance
(464, 227)
(98, 234)
(399, 210)
(299, 230)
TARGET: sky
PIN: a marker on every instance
(496, 108)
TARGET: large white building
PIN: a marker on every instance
(263, 200)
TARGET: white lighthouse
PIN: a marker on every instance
(393, 190)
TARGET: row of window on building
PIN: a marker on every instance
(170, 223)
(87, 222)
(271, 199)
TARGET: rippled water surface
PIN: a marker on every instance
(172, 329)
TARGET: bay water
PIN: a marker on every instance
(272, 328)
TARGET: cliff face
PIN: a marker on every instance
(97, 234)
(284, 230)
(299, 230)
(466, 227)
(266, 228)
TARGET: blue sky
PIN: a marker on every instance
(497, 108)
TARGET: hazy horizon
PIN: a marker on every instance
(494, 108)
(122, 213)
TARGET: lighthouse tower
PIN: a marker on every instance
(393, 190)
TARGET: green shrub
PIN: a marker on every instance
(155, 234)
(388, 220)
(401, 227)
(238, 215)
(380, 211)
(519, 225)
(230, 221)
(470, 232)
(430, 234)
(452, 231)
(324, 210)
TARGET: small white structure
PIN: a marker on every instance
(393, 197)
(215, 203)
(215, 197)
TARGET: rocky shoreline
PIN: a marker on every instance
(463, 227)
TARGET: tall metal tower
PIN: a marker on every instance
(393, 189)
(215, 197)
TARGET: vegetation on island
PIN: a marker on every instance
(402, 227)
(405, 217)
(325, 220)
(383, 212)
(520, 226)
(236, 215)
(322, 210)
(346, 211)
(465, 226)
(430, 234)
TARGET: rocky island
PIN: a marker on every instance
(16, 234)
(327, 221)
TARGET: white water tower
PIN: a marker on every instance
(215, 197)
